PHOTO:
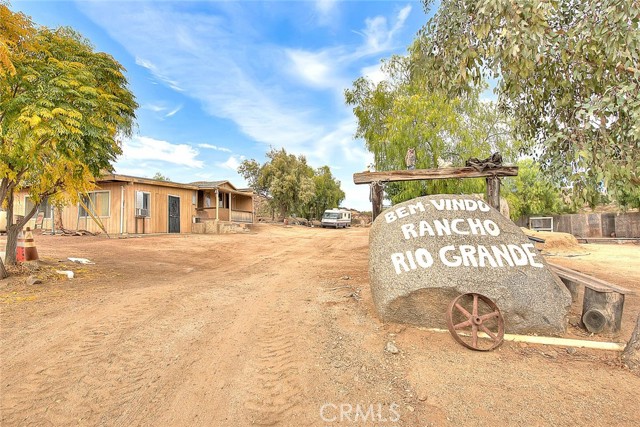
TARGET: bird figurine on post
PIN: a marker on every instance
(410, 159)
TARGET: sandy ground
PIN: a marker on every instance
(275, 327)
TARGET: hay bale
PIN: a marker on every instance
(555, 242)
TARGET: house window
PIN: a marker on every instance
(45, 207)
(222, 200)
(97, 201)
(143, 204)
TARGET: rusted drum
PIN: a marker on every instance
(472, 316)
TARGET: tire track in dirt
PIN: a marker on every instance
(107, 371)
(227, 331)
(276, 387)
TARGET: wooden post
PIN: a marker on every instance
(573, 288)
(602, 311)
(376, 199)
(631, 354)
(493, 192)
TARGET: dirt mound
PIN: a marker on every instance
(555, 242)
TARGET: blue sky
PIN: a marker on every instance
(222, 81)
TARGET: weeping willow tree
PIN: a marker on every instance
(399, 113)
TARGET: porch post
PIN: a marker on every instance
(217, 203)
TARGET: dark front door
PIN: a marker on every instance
(174, 214)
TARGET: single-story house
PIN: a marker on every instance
(132, 205)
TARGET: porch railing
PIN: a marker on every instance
(242, 216)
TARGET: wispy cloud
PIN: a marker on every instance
(145, 63)
(377, 34)
(198, 54)
(143, 148)
(162, 110)
(329, 68)
(374, 73)
(232, 163)
(317, 69)
(326, 9)
(214, 147)
(173, 112)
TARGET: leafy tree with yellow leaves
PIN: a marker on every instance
(63, 107)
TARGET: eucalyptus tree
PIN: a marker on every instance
(567, 71)
(286, 179)
(327, 193)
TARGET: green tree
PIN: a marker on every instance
(566, 71)
(327, 193)
(291, 185)
(287, 180)
(62, 108)
(251, 170)
(158, 176)
(533, 192)
(398, 113)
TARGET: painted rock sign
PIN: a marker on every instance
(427, 251)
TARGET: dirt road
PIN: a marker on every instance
(274, 327)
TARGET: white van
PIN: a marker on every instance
(337, 218)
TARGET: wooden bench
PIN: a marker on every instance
(603, 302)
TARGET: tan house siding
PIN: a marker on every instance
(157, 222)
(196, 205)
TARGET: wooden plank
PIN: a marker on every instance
(589, 281)
(442, 173)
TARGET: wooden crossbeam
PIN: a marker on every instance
(442, 173)
(589, 281)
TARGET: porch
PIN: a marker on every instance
(220, 202)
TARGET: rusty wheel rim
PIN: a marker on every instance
(471, 314)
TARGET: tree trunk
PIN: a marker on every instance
(12, 243)
(3, 271)
(631, 354)
(57, 214)
(14, 229)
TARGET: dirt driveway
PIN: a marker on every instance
(274, 327)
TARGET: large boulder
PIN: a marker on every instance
(427, 251)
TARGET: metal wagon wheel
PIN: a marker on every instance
(469, 315)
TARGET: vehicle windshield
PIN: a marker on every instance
(330, 215)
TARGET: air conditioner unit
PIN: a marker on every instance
(142, 212)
